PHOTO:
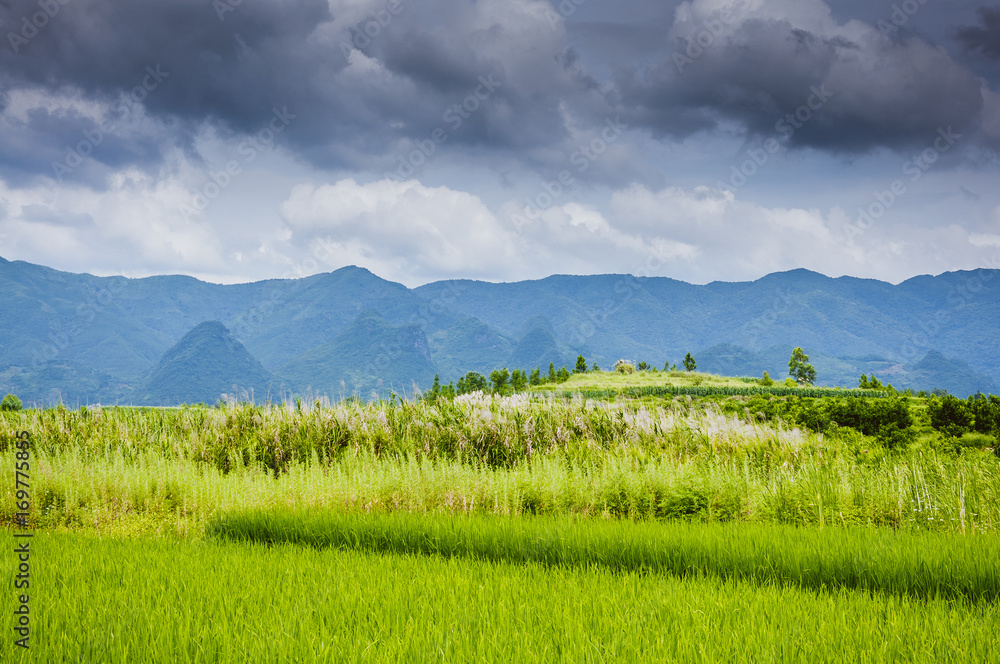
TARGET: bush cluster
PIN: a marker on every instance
(886, 419)
(956, 418)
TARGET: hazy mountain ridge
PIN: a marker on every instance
(79, 337)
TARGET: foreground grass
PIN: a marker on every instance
(158, 600)
(927, 565)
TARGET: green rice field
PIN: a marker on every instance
(223, 600)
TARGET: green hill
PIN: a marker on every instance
(370, 356)
(205, 364)
(537, 348)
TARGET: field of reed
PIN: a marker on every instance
(170, 470)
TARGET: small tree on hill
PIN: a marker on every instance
(563, 375)
(499, 379)
(642, 366)
(471, 382)
(766, 381)
(536, 376)
(581, 364)
(11, 403)
(866, 384)
(435, 390)
(689, 363)
(552, 372)
(518, 380)
(800, 369)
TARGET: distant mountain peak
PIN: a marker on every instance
(206, 363)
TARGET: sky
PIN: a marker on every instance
(502, 140)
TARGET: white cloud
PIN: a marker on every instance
(407, 230)
(131, 228)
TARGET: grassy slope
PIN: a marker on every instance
(612, 380)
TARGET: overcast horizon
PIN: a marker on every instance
(501, 140)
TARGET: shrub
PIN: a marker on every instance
(950, 415)
(11, 404)
(624, 367)
(985, 412)
(766, 381)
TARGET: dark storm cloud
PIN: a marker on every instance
(231, 71)
(359, 99)
(983, 39)
(881, 93)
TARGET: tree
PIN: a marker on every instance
(552, 372)
(800, 369)
(11, 403)
(471, 382)
(563, 375)
(766, 381)
(581, 364)
(436, 387)
(595, 368)
(518, 380)
(642, 366)
(689, 363)
(536, 376)
(499, 379)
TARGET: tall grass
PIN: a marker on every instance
(159, 470)
(492, 431)
(151, 494)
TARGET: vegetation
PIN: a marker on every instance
(851, 514)
(921, 566)
(856, 459)
(869, 384)
(624, 367)
(689, 363)
(799, 368)
(11, 403)
(158, 600)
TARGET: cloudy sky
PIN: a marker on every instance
(500, 139)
